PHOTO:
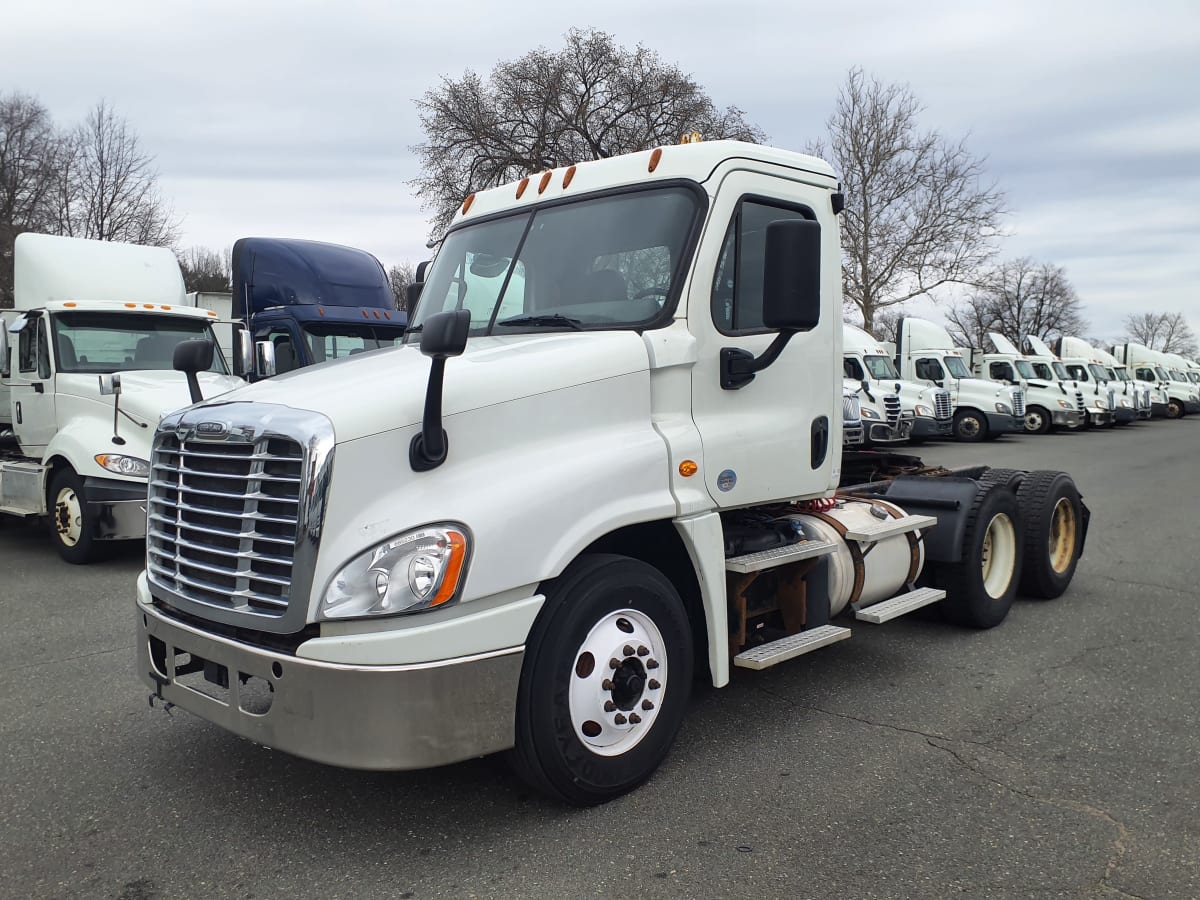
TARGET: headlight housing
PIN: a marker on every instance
(123, 465)
(417, 570)
(923, 410)
(1065, 405)
(868, 413)
(1004, 408)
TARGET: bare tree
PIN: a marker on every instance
(918, 215)
(400, 277)
(1166, 331)
(206, 270)
(1016, 298)
(589, 100)
(30, 155)
(108, 190)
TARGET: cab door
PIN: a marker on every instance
(779, 436)
(32, 386)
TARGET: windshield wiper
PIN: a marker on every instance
(552, 319)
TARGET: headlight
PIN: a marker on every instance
(923, 410)
(868, 413)
(1125, 402)
(417, 570)
(123, 465)
(1100, 403)
(1004, 408)
(1065, 405)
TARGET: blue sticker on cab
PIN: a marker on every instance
(726, 480)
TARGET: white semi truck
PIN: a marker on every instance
(1092, 401)
(86, 363)
(1154, 366)
(611, 465)
(1148, 399)
(1048, 404)
(983, 410)
(1084, 365)
(918, 412)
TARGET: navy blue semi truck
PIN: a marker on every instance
(311, 302)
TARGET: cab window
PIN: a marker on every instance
(929, 370)
(851, 368)
(33, 352)
(1001, 371)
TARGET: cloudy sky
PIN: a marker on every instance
(295, 119)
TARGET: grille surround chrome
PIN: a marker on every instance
(943, 406)
(210, 559)
(891, 408)
(1018, 398)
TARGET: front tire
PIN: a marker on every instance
(980, 587)
(605, 682)
(970, 426)
(1175, 410)
(1037, 420)
(71, 522)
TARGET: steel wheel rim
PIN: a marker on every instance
(68, 517)
(968, 426)
(1062, 535)
(998, 557)
(618, 682)
(1033, 421)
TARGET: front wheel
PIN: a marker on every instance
(970, 426)
(71, 522)
(605, 682)
(1174, 410)
(1037, 420)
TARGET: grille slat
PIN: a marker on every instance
(1080, 402)
(224, 519)
(891, 408)
(943, 408)
(1018, 402)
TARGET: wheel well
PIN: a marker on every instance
(658, 544)
(55, 464)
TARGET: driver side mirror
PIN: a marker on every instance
(264, 359)
(412, 294)
(244, 353)
(792, 275)
(4, 364)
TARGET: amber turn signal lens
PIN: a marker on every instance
(687, 468)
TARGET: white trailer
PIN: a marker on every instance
(609, 467)
(87, 365)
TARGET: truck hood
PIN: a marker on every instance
(385, 389)
(146, 395)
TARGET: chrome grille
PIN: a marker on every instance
(891, 408)
(222, 520)
(851, 408)
(942, 406)
(1080, 402)
(1149, 402)
(1112, 400)
(1018, 398)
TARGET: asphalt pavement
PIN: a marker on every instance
(1056, 755)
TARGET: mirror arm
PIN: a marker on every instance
(739, 366)
(428, 449)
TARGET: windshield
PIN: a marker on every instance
(1161, 373)
(880, 367)
(102, 342)
(336, 340)
(604, 262)
(1043, 370)
(1024, 369)
(1078, 372)
(1099, 372)
(1195, 377)
(1061, 371)
(1178, 375)
(956, 367)
(1122, 375)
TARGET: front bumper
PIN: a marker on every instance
(1191, 406)
(852, 435)
(1125, 415)
(1004, 423)
(883, 433)
(1068, 418)
(360, 717)
(1100, 417)
(1158, 410)
(925, 427)
(118, 508)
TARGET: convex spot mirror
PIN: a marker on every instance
(792, 275)
(110, 384)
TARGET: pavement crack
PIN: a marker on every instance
(1171, 589)
(51, 662)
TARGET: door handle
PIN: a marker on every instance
(38, 387)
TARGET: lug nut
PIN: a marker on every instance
(642, 651)
(627, 650)
(647, 705)
(609, 706)
(651, 664)
(634, 719)
(653, 684)
(607, 684)
(619, 719)
(613, 663)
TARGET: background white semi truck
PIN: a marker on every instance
(1092, 401)
(611, 466)
(1085, 366)
(923, 411)
(87, 311)
(983, 410)
(1048, 404)
(1154, 367)
(1147, 398)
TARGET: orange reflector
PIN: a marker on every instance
(210, 312)
(377, 314)
(467, 203)
(654, 158)
(570, 174)
(386, 314)
(521, 187)
(320, 310)
(131, 305)
(366, 315)
(545, 181)
(148, 305)
(458, 553)
(70, 303)
(163, 307)
(687, 468)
